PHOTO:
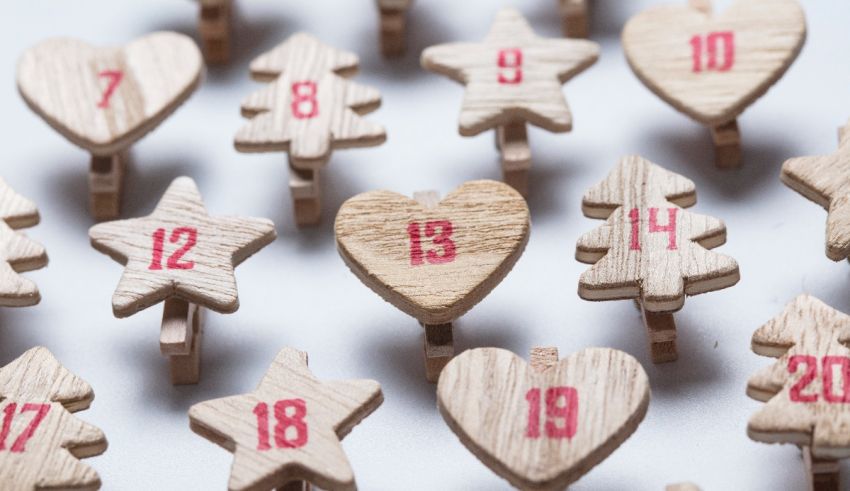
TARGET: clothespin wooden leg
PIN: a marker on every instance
(296, 486)
(512, 142)
(575, 18)
(180, 340)
(543, 358)
(393, 32)
(214, 26)
(439, 349)
(106, 183)
(306, 195)
(824, 474)
(727, 145)
(662, 335)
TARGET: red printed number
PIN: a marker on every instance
(829, 364)
(304, 103)
(18, 446)
(670, 228)
(441, 231)
(510, 66)
(174, 259)
(709, 45)
(114, 78)
(290, 430)
(561, 412)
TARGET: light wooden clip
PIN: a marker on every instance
(661, 329)
(512, 142)
(215, 27)
(824, 474)
(727, 145)
(106, 185)
(180, 340)
(575, 18)
(393, 31)
(305, 188)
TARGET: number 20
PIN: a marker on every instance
(811, 373)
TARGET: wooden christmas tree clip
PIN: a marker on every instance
(713, 66)
(308, 110)
(512, 78)
(18, 253)
(432, 259)
(105, 99)
(545, 424)
(184, 257)
(309, 418)
(650, 249)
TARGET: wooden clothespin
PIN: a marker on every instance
(105, 99)
(682, 486)
(214, 25)
(308, 110)
(432, 259)
(575, 18)
(544, 424)
(650, 249)
(18, 253)
(712, 67)
(393, 17)
(826, 181)
(182, 256)
(42, 440)
(512, 78)
(289, 429)
(807, 390)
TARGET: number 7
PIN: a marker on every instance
(115, 77)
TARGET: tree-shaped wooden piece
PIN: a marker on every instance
(308, 110)
(289, 428)
(181, 255)
(105, 99)
(41, 440)
(712, 67)
(575, 18)
(512, 78)
(650, 249)
(433, 259)
(393, 18)
(807, 390)
(826, 181)
(545, 424)
(18, 253)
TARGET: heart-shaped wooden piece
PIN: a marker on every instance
(713, 67)
(104, 99)
(543, 427)
(434, 263)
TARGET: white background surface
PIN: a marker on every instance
(298, 292)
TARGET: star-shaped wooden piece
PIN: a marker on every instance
(18, 253)
(808, 390)
(41, 440)
(826, 181)
(180, 251)
(289, 428)
(512, 75)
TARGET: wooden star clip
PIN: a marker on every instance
(288, 429)
(181, 255)
(513, 77)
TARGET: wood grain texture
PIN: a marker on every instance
(682, 486)
(482, 395)
(18, 253)
(538, 98)
(490, 227)
(575, 18)
(806, 327)
(332, 410)
(393, 19)
(826, 181)
(61, 80)
(768, 36)
(275, 124)
(50, 456)
(654, 270)
(222, 243)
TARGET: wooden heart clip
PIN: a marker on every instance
(432, 259)
(105, 99)
(712, 67)
(545, 424)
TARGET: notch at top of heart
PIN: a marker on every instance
(434, 262)
(105, 99)
(712, 66)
